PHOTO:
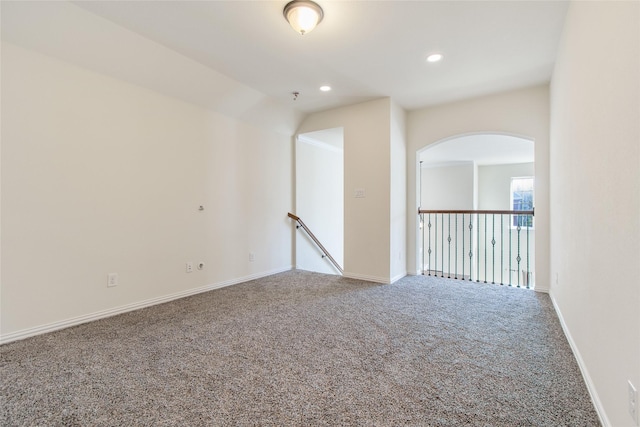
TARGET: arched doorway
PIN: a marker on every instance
(468, 183)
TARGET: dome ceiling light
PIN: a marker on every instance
(303, 15)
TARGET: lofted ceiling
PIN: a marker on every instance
(362, 49)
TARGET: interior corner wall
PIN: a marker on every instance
(522, 113)
(595, 198)
(101, 176)
(366, 167)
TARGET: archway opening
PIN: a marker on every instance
(469, 184)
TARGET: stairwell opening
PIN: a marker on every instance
(320, 198)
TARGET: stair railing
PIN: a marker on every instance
(325, 252)
(492, 246)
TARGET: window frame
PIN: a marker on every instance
(512, 222)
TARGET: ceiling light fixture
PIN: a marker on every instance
(434, 57)
(303, 15)
(325, 88)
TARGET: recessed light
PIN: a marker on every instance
(325, 88)
(434, 57)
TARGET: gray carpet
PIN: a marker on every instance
(306, 349)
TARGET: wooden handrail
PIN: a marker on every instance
(488, 212)
(317, 242)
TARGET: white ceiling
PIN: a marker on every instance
(479, 149)
(363, 49)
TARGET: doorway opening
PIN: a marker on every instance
(320, 198)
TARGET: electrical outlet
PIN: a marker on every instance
(189, 267)
(633, 402)
(252, 257)
(112, 280)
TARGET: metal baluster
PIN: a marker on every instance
(422, 229)
(449, 247)
(510, 256)
(493, 248)
(463, 254)
(455, 272)
(429, 244)
(435, 242)
(442, 245)
(528, 276)
(501, 249)
(478, 248)
(421, 215)
(485, 248)
(470, 247)
(518, 258)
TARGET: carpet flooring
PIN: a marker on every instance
(307, 349)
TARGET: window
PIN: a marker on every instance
(522, 200)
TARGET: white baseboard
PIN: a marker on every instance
(583, 368)
(375, 279)
(50, 327)
(398, 277)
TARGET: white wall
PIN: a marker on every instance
(448, 187)
(367, 161)
(523, 113)
(102, 176)
(374, 161)
(595, 197)
(494, 184)
(319, 203)
(398, 197)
